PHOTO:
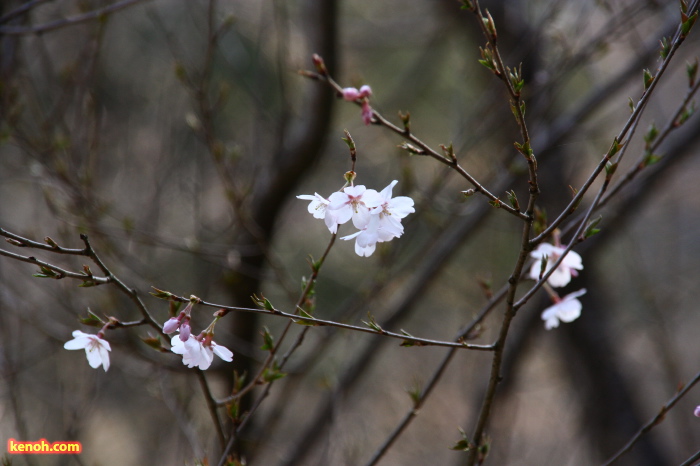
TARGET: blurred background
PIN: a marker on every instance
(176, 135)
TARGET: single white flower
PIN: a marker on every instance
(567, 309)
(562, 275)
(96, 349)
(354, 202)
(199, 353)
(392, 210)
(318, 207)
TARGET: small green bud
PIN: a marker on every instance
(591, 227)
(651, 134)
(411, 149)
(648, 79)
(688, 23)
(490, 25)
(692, 70)
(91, 319)
(665, 47)
(160, 294)
(406, 119)
(268, 341)
(372, 323)
(467, 5)
(153, 341)
(513, 199)
(464, 444)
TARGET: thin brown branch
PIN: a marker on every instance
(656, 420)
(60, 23)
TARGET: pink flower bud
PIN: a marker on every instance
(171, 325)
(351, 94)
(365, 91)
(319, 64)
(185, 331)
(366, 113)
(697, 411)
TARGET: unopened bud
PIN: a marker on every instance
(171, 325)
(351, 94)
(185, 331)
(319, 64)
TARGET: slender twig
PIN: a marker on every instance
(409, 340)
(619, 139)
(663, 134)
(691, 461)
(212, 406)
(434, 379)
(61, 273)
(525, 246)
(656, 420)
(316, 267)
(424, 149)
(21, 10)
(92, 15)
(86, 276)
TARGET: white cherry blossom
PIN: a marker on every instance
(318, 207)
(96, 348)
(567, 269)
(199, 353)
(354, 202)
(392, 210)
(567, 309)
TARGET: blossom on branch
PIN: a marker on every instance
(199, 351)
(562, 275)
(96, 348)
(377, 215)
(566, 309)
(354, 202)
(384, 223)
(318, 207)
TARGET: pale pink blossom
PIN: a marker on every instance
(384, 222)
(697, 411)
(365, 91)
(354, 202)
(392, 210)
(562, 275)
(96, 348)
(566, 309)
(318, 207)
(198, 352)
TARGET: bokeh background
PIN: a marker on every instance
(176, 135)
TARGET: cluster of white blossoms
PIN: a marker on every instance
(199, 351)
(196, 351)
(568, 308)
(376, 215)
